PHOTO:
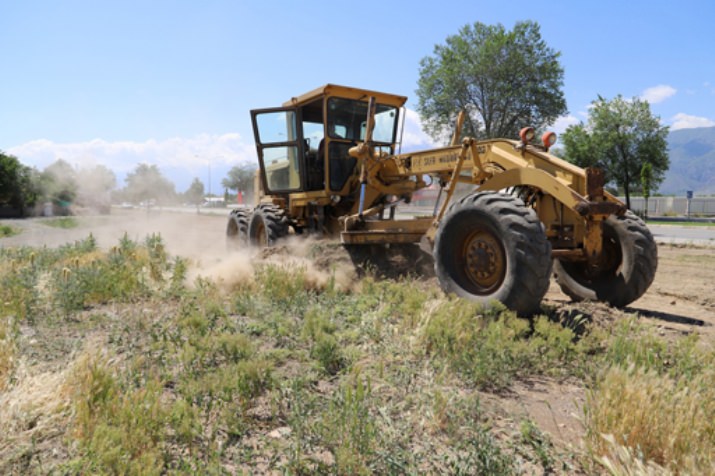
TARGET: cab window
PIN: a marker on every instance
(277, 126)
(346, 120)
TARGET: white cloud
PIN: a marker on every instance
(179, 158)
(563, 122)
(188, 154)
(685, 121)
(658, 93)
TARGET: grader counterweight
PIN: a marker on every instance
(329, 166)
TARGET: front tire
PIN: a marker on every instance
(628, 264)
(490, 246)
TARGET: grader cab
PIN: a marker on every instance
(329, 166)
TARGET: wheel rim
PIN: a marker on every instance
(484, 261)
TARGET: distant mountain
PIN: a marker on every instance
(692, 162)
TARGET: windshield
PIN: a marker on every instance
(347, 120)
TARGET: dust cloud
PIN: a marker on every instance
(199, 238)
(321, 264)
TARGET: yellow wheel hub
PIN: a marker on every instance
(484, 260)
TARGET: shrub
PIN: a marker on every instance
(283, 287)
(349, 430)
(491, 346)
(7, 230)
(242, 381)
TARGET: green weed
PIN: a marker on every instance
(284, 288)
(177, 281)
(19, 296)
(300, 406)
(348, 429)
(395, 301)
(318, 330)
(124, 432)
(634, 344)
(85, 277)
(242, 381)
(539, 443)
(158, 261)
(479, 453)
(491, 347)
(328, 352)
(7, 231)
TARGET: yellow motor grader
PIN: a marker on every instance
(329, 166)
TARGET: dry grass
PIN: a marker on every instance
(622, 460)
(663, 420)
(7, 350)
(35, 413)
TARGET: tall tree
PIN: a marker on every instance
(19, 187)
(240, 178)
(195, 193)
(620, 137)
(504, 80)
(59, 183)
(147, 183)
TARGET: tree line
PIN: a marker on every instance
(26, 191)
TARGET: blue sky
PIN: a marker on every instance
(171, 82)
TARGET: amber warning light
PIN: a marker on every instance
(526, 135)
(548, 139)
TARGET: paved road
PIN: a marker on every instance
(679, 233)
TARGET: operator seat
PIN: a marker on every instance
(316, 168)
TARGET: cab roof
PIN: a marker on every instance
(346, 92)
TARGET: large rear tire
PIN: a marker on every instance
(490, 246)
(237, 229)
(627, 269)
(268, 225)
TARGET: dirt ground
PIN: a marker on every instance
(680, 301)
